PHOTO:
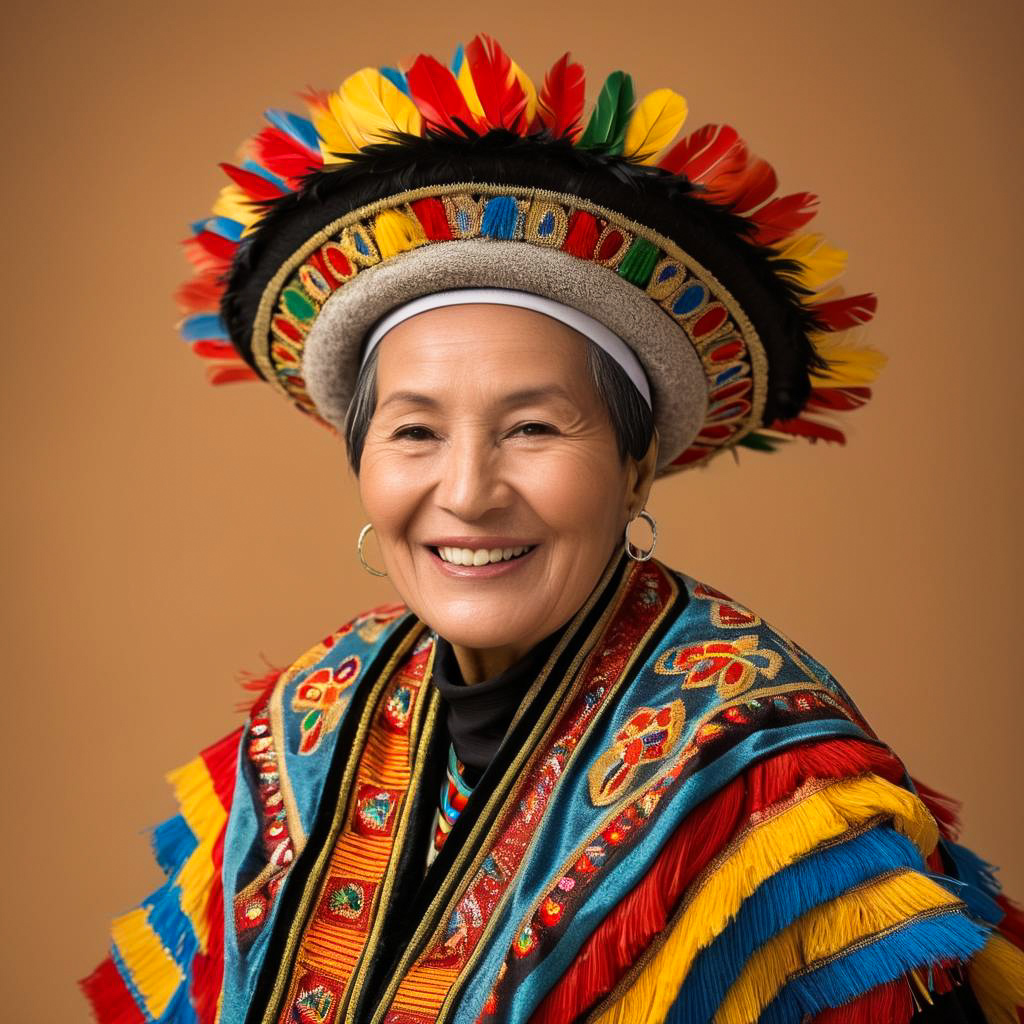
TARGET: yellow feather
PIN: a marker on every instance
(825, 931)
(774, 841)
(232, 202)
(465, 83)
(850, 366)
(333, 138)
(526, 84)
(820, 263)
(366, 106)
(654, 124)
(997, 977)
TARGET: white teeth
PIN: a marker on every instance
(479, 556)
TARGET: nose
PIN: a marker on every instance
(470, 483)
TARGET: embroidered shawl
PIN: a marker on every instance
(689, 821)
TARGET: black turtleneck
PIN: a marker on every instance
(478, 716)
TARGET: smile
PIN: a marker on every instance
(480, 556)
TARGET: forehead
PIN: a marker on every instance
(479, 345)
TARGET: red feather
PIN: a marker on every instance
(496, 85)
(210, 252)
(840, 314)
(231, 374)
(283, 156)
(781, 217)
(202, 294)
(703, 150)
(838, 399)
(438, 96)
(255, 186)
(210, 349)
(812, 429)
(560, 103)
(747, 188)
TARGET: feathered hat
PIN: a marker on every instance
(405, 182)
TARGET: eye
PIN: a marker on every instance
(413, 433)
(533, 429)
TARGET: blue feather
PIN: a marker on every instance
(204, 327)
(223, 226)
(457, 60)
(396, 78)
(251, 165)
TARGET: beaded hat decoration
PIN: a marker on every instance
(405, 182)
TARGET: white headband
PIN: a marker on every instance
(586, 325)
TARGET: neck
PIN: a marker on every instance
(477, 665)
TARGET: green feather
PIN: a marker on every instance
(607, 124)
(761, 442)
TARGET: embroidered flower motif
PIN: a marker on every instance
(732, 666)
(322, 696)
(375, 810)
(649, 735)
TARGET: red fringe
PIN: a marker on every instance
(629, 928)
(262, 686)
(430, 213)
(944, 809)
(109, 997)
(1012, 925)
(890, 1003)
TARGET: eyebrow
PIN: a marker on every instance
(525, 396)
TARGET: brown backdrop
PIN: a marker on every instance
(162, 535)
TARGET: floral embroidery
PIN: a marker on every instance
(648, 736)
(731, 665)
(323, 696)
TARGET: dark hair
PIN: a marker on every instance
(631, 417)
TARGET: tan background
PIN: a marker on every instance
(161, 535)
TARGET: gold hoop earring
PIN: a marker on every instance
(363, 534)
(639, 554)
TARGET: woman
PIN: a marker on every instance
(561, 781)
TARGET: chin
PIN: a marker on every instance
(483, 632)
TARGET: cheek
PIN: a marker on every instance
(391, 490)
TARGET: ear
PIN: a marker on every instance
(642, 478)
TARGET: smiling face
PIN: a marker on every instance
(492, 474)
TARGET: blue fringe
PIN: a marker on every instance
(173, 843)
(918, 944)
(980, 886)
(175, 932)
(396, 78)
(501, 216)
(204, 327)
(779, 901)
(299, 128)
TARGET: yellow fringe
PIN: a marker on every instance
(205, 816)
(820, 263)
(153, 970)
(813, 816)
(997, 977)
(825, 931)
(397, 232)
(849, 365)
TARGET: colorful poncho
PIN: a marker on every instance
(688, 821)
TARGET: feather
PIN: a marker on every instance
(744, 187)
(501, 96)
(299, 129)
(841, 314)
(253, 186)
(607, 125)
(530, 91)
(848, 366)
(560, 106)
(281, 154)
(838, 399)
(234, 204)
(819, 263)
(778, 219)
(702, 151)
(367, 106)
(438, 97)
(396, 78)
(214, 349)
(653, 125)
(460, 69)
(813, 430)
(231, 374)
(202, 294)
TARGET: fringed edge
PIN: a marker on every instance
(906, 944)
(770, 844)
(781, 900)
(156, 945)
(867, 936)
(644, 913)
(997, 977)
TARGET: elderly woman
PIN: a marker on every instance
(561, 781)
